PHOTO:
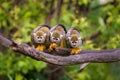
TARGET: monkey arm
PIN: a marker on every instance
(52, 46)
(63, 44)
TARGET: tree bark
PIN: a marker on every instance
(95, 56)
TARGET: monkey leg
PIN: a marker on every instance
(75, 50)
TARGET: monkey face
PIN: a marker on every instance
(75, 41)
(55, 37)
(39, 37)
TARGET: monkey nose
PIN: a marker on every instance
(39, 40)
(55, 41)
(74, 45)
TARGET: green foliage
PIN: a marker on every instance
(17, 20)
(13, 65)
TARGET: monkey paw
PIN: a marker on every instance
(75, 50)
(40, 47)
(52, 46)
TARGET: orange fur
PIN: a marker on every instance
(41, 47)
(75, 50)
(52, 46)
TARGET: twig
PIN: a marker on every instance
(82, 66)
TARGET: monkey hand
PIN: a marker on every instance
(40, 47)
(75, 50)
(52, 46)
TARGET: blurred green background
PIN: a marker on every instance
(97, 20)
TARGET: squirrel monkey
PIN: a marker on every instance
(40, 37)
(73, 40)
(57, 36)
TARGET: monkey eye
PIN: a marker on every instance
(56, 38)
(53, 37)
(75, 42)
(39, 37)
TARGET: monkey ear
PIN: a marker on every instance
(69, 37)
(34, 34)
(44, 34)
(79, 37)
(61, 35)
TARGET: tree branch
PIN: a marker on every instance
(99, 56)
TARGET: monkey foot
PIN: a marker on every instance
(40, 47)
(75, 50)
(52, 46)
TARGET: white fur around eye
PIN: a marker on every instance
(58, 38)
(52, 37)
